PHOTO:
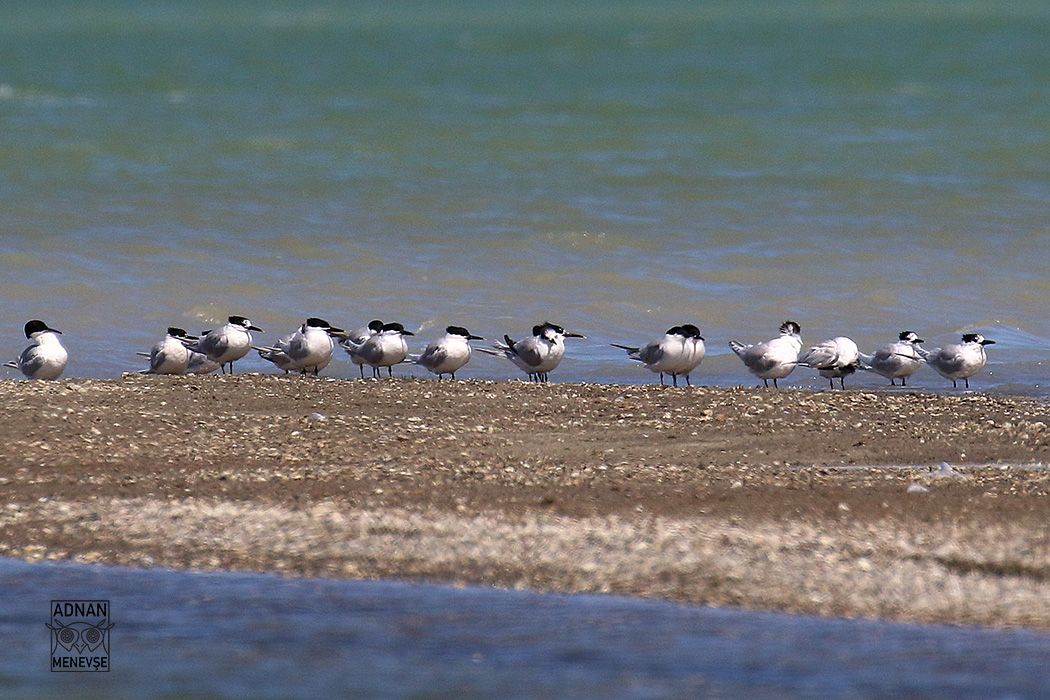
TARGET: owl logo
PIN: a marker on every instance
(80, 636)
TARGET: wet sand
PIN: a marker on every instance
(824, 502)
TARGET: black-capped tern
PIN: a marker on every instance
(835, 358)
(898, 360)
(308, 349)
(383, 349)
(171, 355)
(773, 359)
(45, 358)
(538, 354)
(679, 352)
(227, 344)
(959, 360)
(446, 354)
(358, 337)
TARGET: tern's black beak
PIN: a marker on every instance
(474, 337)
(407, 333)
(987, 342)
(570, 334)
(256, 328)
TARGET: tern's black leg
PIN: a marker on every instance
(775, 383)
(662, 379)
(765, 383)
(674, 379)
(687, 382)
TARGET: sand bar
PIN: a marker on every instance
(821, 502)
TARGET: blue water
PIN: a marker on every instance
(208, 635)
(615, 166)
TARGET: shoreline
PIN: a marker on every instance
(723, 496)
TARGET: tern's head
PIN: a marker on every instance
(976, 338)
(677, 330)
(910, 337)
(395, 329)
(35, 327)
(552, 332)
(790, 328)
(323, 325)
(375, 326)
(691, 331)
(320, 323)
(460, 330)
(243, 323)
(176, 332)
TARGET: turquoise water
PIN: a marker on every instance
(186, 635)
(617, 167)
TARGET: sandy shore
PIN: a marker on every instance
(742, 497)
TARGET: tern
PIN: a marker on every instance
(838, 357)
(773, 359)
(959, 361)
(358, 337)
(680, 351)
(308, 349)
(383, 349)
(45, 358)
(227, 344)
(896, 360)
(200, 364)
(447, 354)
(536, 355)
(171, 355)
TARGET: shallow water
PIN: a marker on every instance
(221, 635)
(618, 167)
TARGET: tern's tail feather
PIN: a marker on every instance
(350, 345)
(738, 348)
(633, 353)
(12, 365)
(923, 352)
(496, 352)
(865, 362)
(143, 354)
